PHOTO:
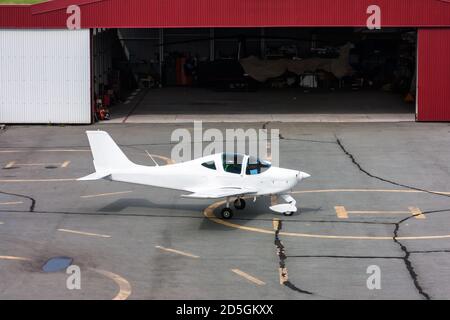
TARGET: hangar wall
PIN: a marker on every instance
(45, 76)
(433, 91)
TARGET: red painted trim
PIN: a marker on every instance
(227, 13)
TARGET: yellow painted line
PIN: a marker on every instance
(341, 212)
(36, 164)
(378, 212)
(10, 203)
(65, 164)
(276, 224)
(36, 180)
(165, 159)
(417, 213)
(177, 252)
(366, 190)
(85, 233)
(14, 258)
(283, 275)
(248, 277)
(209, 214)
(273, 200)
(44, 150)
(105, 194)
(9, 165)
(122, 283)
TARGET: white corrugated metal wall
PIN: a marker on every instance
(45, 76)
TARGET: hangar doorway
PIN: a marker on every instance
(256, 74)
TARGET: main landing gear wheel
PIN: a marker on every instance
(288, 214)
(239, 204)
(227, 213)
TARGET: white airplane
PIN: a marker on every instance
(229, 176)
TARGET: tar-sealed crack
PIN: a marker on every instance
(32, 200)
(282, 262)
(407, 254)
(352, 158)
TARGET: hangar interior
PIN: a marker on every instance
(254, 71)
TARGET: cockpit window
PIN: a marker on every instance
(210, 165)
(232, 163)
(256, 166)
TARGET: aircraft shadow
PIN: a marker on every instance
(258, 211)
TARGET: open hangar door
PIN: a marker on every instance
(45, 76)
(223, 71)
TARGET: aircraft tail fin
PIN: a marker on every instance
(107, 155)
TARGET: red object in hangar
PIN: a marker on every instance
(431, 17)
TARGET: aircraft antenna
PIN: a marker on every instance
(156, 163)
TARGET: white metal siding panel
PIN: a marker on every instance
(45, 76)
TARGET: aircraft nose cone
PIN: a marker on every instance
(303, 175)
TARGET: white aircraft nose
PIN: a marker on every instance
(303, 175)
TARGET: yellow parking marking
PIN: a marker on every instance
(273, 200)
(209, 214)
(85, 233)
(378, 212)
(178, 252)
(367, 190)
(105, 194)
(248, 277)
(276, 224)
(122, 283)
(341, 212)
(9, 165)
(283, 275)
(14, 258)
(417, 213)
(13, 164)
(65, 164)
(10, 203)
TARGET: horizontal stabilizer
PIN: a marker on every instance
(95, 176)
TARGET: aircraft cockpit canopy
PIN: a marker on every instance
(257, 166)
(233, 163)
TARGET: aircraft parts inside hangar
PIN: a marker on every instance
(208, 61)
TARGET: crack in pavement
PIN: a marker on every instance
(281, 253)
(407, 254)
(32, 200)
(111, 213)
(352, 158)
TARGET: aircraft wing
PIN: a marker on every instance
(221, 192)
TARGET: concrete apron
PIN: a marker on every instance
(250, 118)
